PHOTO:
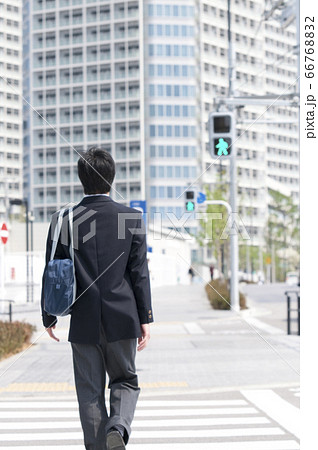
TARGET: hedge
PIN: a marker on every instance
(219, 297)
(14, 336)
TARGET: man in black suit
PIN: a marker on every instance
(113, 306)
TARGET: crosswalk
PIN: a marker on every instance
(295, 391)
(233, 421)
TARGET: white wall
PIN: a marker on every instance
(170, 258)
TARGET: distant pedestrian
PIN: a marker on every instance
(211, 271)
(191, 274)
(113, 305)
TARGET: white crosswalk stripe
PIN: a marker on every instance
(187, 423)
(295, 391)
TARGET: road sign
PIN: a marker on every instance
(4, 233)
(201, 198)
(140, 205)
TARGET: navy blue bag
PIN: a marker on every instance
(60, 281)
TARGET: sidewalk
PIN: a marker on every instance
(210, 380)
(191, 345)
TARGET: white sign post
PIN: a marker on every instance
(4, 234)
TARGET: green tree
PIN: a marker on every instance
(282, 231)
(211, 227)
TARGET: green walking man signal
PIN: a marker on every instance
(221, 133)
(190, 201)
(222, 146)
(190, 206)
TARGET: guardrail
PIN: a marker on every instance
(9, 313)
(289, 295)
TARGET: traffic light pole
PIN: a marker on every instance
(235, 302)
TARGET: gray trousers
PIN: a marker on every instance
(91, 363)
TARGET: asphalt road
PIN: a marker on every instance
(271, 304)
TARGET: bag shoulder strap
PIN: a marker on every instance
(57, 232)
(70, 221)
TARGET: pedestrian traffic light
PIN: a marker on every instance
(221, 134)
(190, 201)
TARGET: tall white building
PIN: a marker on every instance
(139, 79)
(264, 64)
(11, 133)
(171, 134)
(86, 88)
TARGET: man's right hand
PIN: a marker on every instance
(144, 339)
(51, 334)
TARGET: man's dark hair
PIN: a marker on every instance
(96, 170)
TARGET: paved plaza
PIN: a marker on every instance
(210, 380)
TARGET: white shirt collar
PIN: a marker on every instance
(94, 195)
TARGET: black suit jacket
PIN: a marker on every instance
(113, 288)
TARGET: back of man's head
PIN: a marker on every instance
(96, 170)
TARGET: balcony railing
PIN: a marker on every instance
(120, 94)
(65, 60)
(64, 41)
(77, 98)
(51, 159)
(104, 16)
(51, 179)
(92, 117)
(77, 137)
(50, 140)
(134, 133)
(105, 136)
(105, 95)
(92, 57)
(120, 54)
(77, 20)
(134, 92)
(51, 81)
(120, 74)
(133, 33)
(92, 97)
(134, 114)
(133, 12)
(133, 73)
(51, 199)
(38, 200)
(51, 101)
(120, 114)
(105, 115)
(38, 179)
(134, 155)
(78, 78)
(104, 36)
(50, 43)
(104, 56)
(119, 14)
(105, 75)
(92, 77)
